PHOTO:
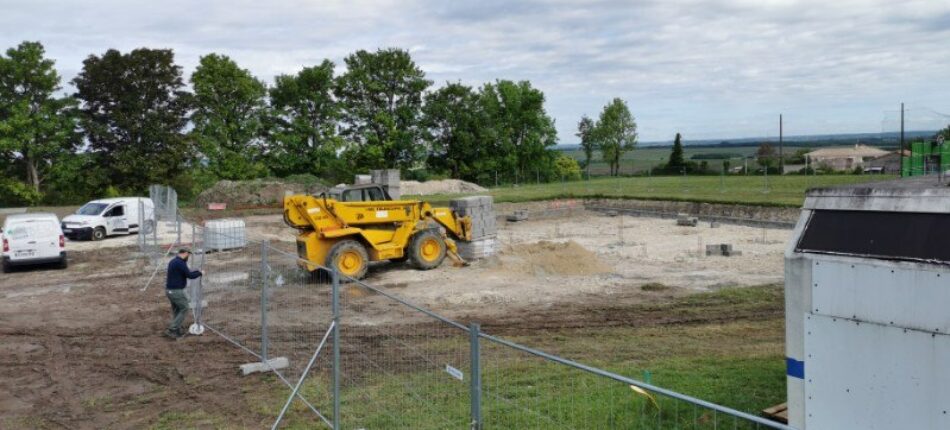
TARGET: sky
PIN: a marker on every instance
(713, 69)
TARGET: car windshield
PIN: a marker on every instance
(92, 209)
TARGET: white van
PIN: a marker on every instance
(32, 238)
(108, 217)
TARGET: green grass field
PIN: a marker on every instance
(727, 348)
(642, 159)
(788, 190)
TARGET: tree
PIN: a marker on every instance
(585, 131)
(765, 155)
(520, 131)
(134, 110)
(381, 99)
(677, 163)
(945, 133)
(304, 124)
(36, 128)
(616, 132)
(229, 106)
(453, 122)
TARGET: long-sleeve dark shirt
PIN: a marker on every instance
(179, 274)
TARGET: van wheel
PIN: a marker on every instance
(98, 233)
(149, 227)
(64, 263)
(427, 250)
(6, 267)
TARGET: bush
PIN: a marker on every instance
(566, 167)
(17, 193)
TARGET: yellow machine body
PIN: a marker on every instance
(384, 228)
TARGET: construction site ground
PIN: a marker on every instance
(81, 348)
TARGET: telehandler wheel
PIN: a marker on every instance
(350, 258)
(427, 250)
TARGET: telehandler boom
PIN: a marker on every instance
(350, 228)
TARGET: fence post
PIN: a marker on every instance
(140, 237)
(476, 380)
(335, 305)
(264, 276)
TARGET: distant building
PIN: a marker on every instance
(843, 157)
(887, 163)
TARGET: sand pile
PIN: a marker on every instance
(552, 258)
(445, 186)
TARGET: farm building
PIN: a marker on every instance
(843, 158)
(867, 327)
(887, 163)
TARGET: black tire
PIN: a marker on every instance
(148, 227)
(342, 256)
(64, 263)
(98, 233)
(7, 268)
(422, 255)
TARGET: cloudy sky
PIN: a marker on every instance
(709, 69)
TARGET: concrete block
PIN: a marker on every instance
(518, 216)
(476, 249)
(363, 179)
(714, 224)
(723, 249)
(258, 367)
(686, 220)
(471, 202)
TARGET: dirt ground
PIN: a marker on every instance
(80, 348)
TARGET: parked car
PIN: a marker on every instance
(32, 238)
(109, 217)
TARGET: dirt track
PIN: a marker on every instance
(81, 348)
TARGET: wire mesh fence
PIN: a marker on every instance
(347, 354)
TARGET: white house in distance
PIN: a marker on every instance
(843, 157)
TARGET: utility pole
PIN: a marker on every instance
(781, 156)
(902, 140)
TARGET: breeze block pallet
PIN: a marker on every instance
(484, 226)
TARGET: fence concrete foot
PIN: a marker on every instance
(257, 367)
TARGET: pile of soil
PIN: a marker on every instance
(553, 258)
(445, 186)
(238, 194)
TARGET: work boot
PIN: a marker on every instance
(172, 334)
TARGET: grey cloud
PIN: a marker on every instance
(707, 68)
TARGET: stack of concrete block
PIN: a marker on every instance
(723, 249)
(519, 215)
(686, 220)
(362, 179)
(389, 179)
(484, 228)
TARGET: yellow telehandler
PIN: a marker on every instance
(357, 224)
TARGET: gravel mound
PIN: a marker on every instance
(553, 258)
(237, 194)
(445, 186)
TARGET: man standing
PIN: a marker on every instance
(178, 276)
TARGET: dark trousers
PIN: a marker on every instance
(179, 302)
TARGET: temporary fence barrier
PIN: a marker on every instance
(353, 355)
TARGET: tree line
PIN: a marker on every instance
(134, 120)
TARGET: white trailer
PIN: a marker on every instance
(867, 302)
